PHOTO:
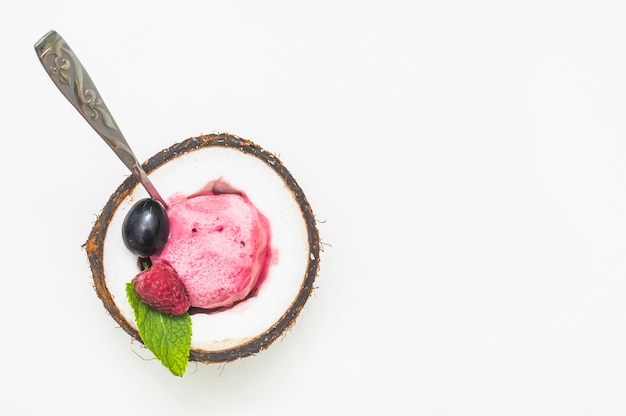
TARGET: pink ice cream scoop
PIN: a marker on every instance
(219, 244)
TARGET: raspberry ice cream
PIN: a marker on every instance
(219, 244)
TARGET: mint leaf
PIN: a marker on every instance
(167, 336)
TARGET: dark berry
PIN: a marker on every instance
(146, 228)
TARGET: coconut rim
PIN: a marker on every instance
(95, 243)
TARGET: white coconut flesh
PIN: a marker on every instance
(238, 325)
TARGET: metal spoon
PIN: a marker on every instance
(72, 79)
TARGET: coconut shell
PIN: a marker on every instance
(95, 243)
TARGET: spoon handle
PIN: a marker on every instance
(76, 85)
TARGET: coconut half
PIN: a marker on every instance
(253, 324)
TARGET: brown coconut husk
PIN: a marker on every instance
(95, 243)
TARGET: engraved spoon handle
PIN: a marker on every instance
(72, 79)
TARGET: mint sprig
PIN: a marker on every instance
(167, 336)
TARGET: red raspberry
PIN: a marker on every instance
(160, 288)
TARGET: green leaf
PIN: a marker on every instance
(167, 336)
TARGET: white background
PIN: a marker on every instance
(466, 161)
